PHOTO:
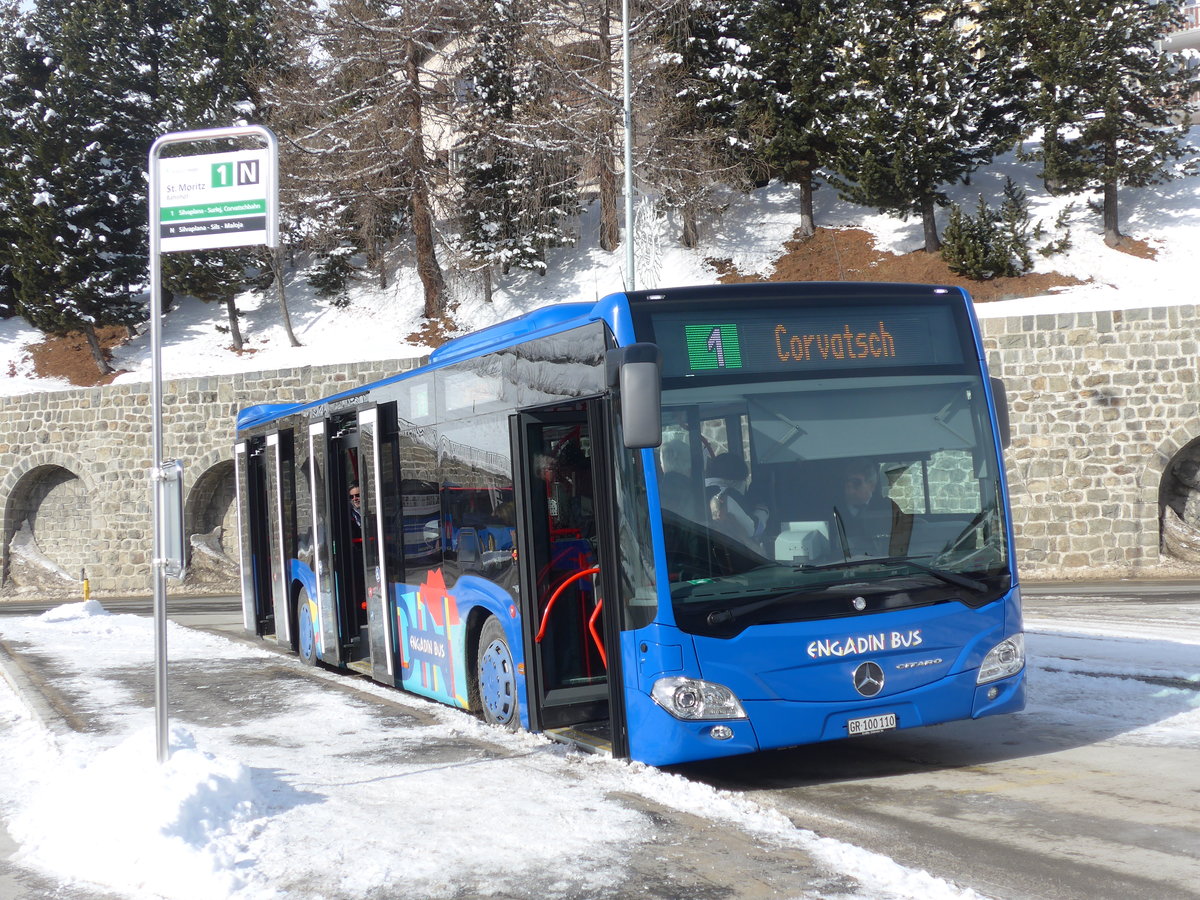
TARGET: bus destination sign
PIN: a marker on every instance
(807, 341)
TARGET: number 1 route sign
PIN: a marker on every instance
(213, 200)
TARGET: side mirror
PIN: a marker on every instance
(1000, 396)
(636, 371)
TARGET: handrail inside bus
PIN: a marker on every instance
(595, 634)
(571, 579)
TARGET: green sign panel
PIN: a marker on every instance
(713, 347)
(213, 200)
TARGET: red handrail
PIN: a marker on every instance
(557, 593)
(595, 636)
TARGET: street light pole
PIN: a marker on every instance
(628, 82)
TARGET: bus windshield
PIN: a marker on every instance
(786, 499)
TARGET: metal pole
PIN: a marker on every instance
(158, 561)
(628, 79)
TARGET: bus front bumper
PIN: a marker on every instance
(658, 738)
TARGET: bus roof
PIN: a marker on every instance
(612, 309)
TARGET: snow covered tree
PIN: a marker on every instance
(354, 123)
(65, 178)
(517, 172)
(1111, 105)
(202, 62)
(779, 69)
(923, 110)
(688, 146)
(88, 86)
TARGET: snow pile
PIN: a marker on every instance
(180, 830)
(71, 611)
(31, 568)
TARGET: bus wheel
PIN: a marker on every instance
(497, 676)
(306, 639)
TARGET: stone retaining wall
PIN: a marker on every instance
(76, 473)
(1103, 405)
(1105, 410)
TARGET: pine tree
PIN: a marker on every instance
(204, 60)
(1111, 105)
(925, 106)
(689, 146)
(89, 84)
(353, 118)
(518, 181)
(781, 71)
(76, 259)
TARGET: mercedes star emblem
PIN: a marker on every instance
(868, 679)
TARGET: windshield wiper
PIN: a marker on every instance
(725, 616)
(945, 575)
(841, 530)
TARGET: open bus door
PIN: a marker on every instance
(566, 546)
(380, 554)
(339, 537)
(254, 543)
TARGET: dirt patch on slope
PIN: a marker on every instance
(70, 357)
(849, 254)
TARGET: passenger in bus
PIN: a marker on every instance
(732, 514)
(355, 512)
(872, 523)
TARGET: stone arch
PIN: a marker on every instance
(49, 531)
(210, 521)
(1170, 486)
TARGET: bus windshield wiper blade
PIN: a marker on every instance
(725, 616)
(945, 575)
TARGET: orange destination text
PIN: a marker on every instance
(844, 344)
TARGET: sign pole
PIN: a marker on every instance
(160, 564)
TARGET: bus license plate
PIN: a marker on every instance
(872, 724)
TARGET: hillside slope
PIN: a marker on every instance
(753, 239)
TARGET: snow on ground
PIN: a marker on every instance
(270, 805)
(317, 800)
(1131, 675)
(381, 323)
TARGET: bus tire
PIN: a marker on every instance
(496, 675)
(306, 637)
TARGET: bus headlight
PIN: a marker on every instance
(1006, 658)
(690, 698)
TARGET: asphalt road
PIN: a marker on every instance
(1015, 807)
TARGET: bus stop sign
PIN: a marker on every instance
(214, 200)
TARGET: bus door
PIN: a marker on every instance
(564, 544)
(279, 507)
(258, 611)
(379, 543)
(347, 534)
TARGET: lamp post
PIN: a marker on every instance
(627, 77)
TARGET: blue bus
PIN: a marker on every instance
(668, 525)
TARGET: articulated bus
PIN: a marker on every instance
(668, 525)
